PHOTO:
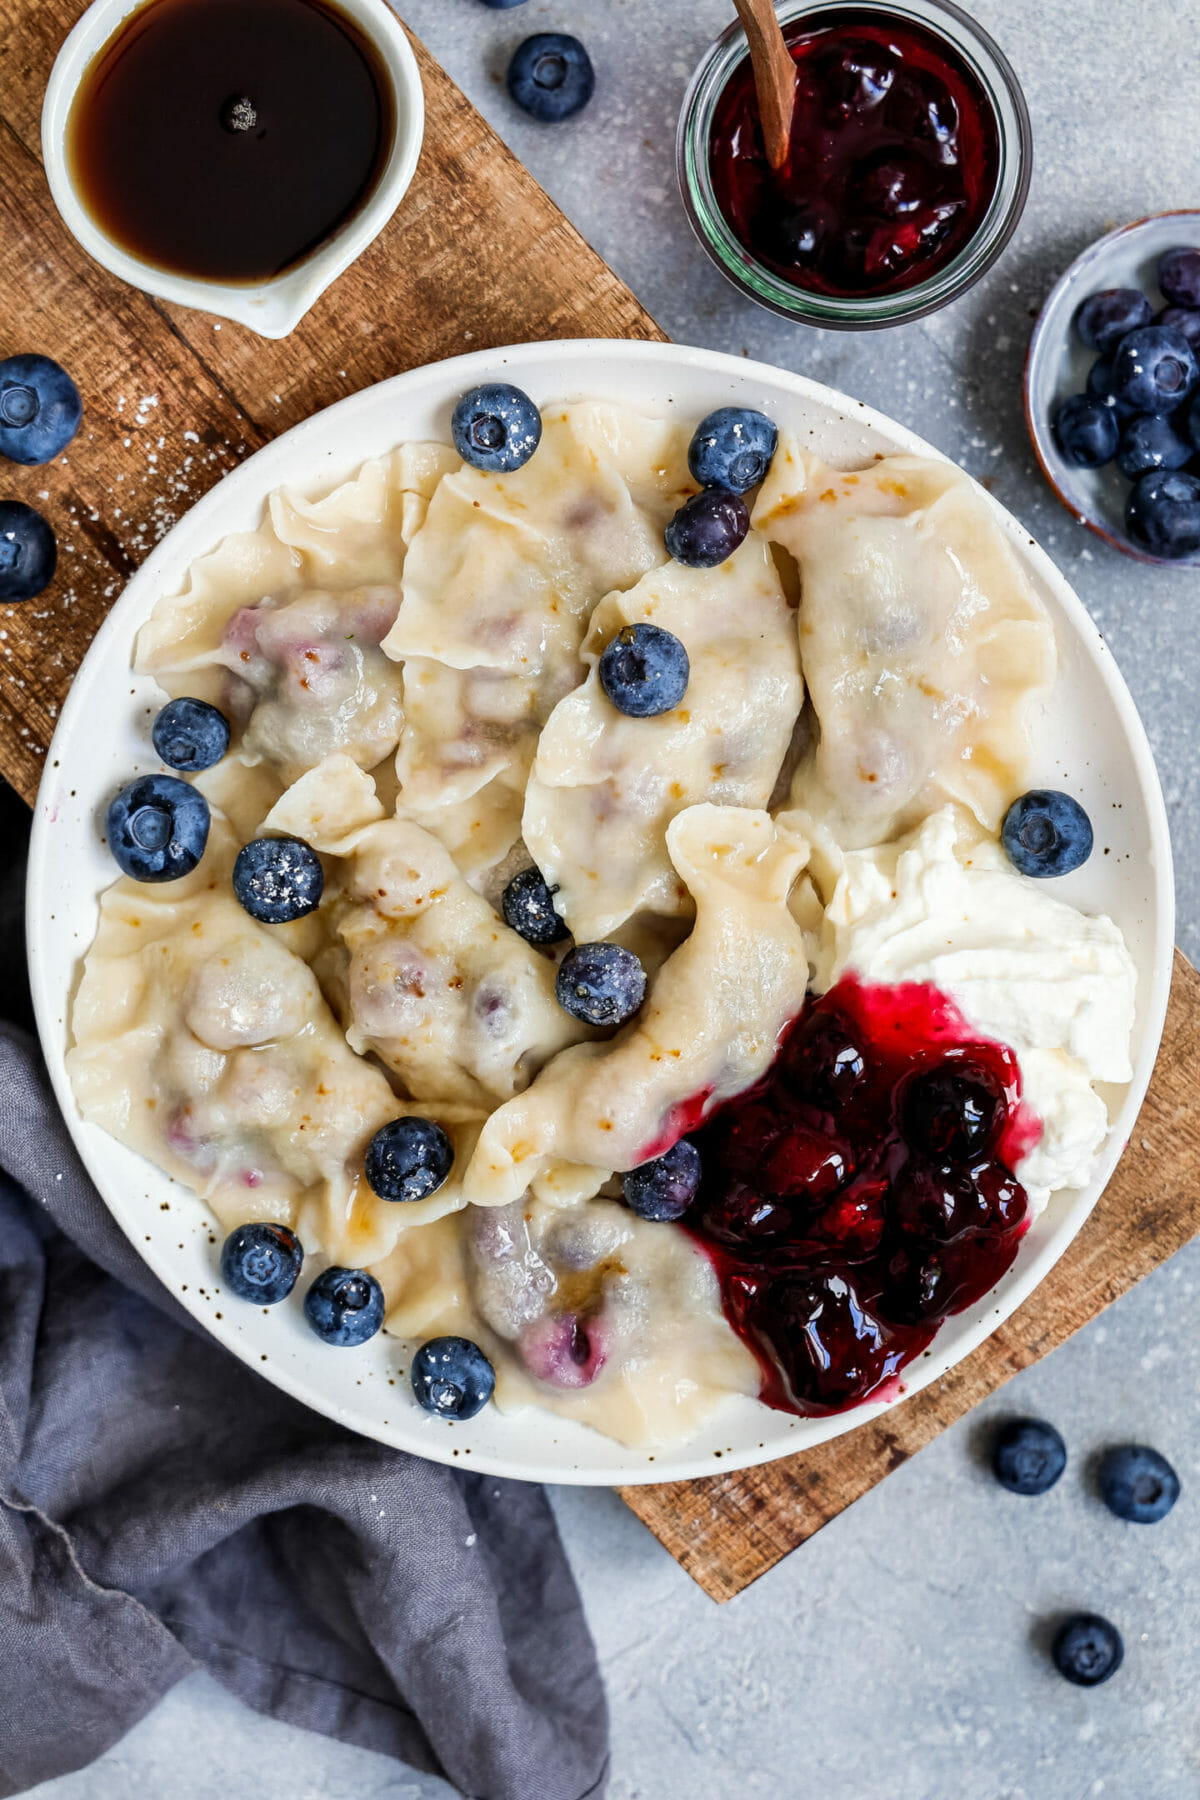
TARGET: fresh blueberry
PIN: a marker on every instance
(278, 879)
(502, 5)
(1191, 420)
(408, 1159)
(452, 1378)
(496, 427)
(1151, 442)
(953, 1112)
(28, 551)
(644, 671)
(261, 1262)
(1099, 386)
(707, 528)
(1105, 318)
(665, 1187)
(732, 448)
(157, 828)
(345, 1307)
(1138, 1484)
(528, 907)
(1154, 370)
(190, 735)
(1028, 1456)
(1163, 513)
(1046, 833)
(1179, 276)
(1087, 1649)
(601, 984)
(40, 409)
(1183, 319)
(551, 76)
(1087, 432)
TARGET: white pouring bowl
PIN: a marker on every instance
(272, 308)
(1087, 738)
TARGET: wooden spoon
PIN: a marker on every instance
(774, 75)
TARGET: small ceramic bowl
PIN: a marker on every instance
(272, 308)
(1057, 365)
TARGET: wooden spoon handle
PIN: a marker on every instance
(774, 75)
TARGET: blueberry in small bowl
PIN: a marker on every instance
(1111, 333)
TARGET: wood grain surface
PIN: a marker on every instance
(174, 399)
(729, 1529)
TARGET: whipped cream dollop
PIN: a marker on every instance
(1022, 966)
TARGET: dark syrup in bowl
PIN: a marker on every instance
(893, 161)
(226, 140)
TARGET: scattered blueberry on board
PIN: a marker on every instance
(708, 528)
(345, 1307)
(278, 879)
(1028, 1456)
(1138, 1484)
(1046, 833)
(644, 670)
(190, 735)
(600, 984)
(665, 1187)
(452, 1378)
(28, 552)
(551, 76)
(496, 428)
(408, 1159)
(528, 907)
(1087, 1649)
(732, 448)
(1147, 381)
(261, 1262)
(40, 409)
(157, 828)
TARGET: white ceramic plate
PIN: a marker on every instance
(1088, 738)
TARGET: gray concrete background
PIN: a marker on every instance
(902, 1652)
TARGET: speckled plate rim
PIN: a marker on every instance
(1040, 431)
(97, 746)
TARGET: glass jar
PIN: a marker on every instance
(965, 40)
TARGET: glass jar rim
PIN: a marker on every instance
(990, 67)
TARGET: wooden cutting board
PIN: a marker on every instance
(174, 399)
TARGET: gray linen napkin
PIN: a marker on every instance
(161, 1506)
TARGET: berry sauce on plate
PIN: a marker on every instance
(862, 1190)
(893, 159)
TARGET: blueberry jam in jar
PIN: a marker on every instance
(908, 162)
(862, 1191)
(893, 158)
